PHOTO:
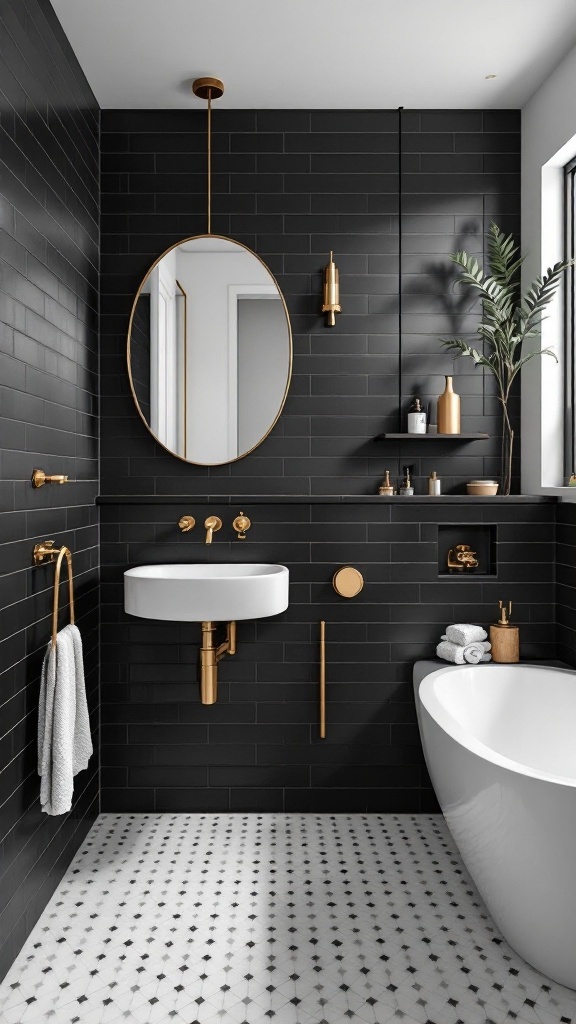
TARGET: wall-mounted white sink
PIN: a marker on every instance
(197, 593)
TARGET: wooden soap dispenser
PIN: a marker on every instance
(505, 638)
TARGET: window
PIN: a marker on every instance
(570, 319)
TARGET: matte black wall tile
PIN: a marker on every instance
(302, 183)
(49, 378)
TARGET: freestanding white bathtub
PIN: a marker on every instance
(500, 745)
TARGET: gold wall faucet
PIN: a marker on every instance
(241, 524)
(212, 525)
(187, 523)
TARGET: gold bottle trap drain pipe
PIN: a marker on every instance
(210, 655)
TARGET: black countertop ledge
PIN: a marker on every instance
(317, 499)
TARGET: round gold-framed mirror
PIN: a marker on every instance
(209, 350)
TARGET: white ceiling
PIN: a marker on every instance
(319, 53)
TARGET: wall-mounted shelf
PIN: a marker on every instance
(431, 437)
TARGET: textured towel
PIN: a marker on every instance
(64, 742)
(472, 654)
(484, 644)
(476, 652)
(463, 633)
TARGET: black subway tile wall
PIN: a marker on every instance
(258, 748)
(565, 582)
(48, 393)
(292, 185)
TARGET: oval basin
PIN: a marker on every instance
(196, 593)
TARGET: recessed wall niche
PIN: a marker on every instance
(479, 538)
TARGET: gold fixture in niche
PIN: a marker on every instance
(210, 655)
(331, 304)
(241, 524)
(212, 524)
(186, 523)
(461, 558)
(348, 581)
(39, 478)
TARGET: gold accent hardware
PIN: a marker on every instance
(45, 551)
(505, 613)
(322, 679)
(212, 525)
(347, 581)
(462, 558)
(331, 304)
(210, 655)
(187, 523)
(209, 89)
(39, 478)
(241, 524)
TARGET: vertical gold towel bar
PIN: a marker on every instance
(322, 679)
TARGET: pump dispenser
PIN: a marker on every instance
(504, 637)
(386, 487)
(406, 488)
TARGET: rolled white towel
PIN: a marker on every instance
(464, 633)
(450, 652)
(475, 653)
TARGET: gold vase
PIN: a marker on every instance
(449, 410)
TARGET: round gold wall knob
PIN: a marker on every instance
(347, 581)
(186, 523)
(241, 524)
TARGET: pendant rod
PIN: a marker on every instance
(208, 89)
(209, 161)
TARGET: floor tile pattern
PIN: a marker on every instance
(272, 919)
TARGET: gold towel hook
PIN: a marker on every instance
(45, 551)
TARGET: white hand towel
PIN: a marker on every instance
(472, 654)
(64, 741)
(464, 633)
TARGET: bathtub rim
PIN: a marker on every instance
(428, 697)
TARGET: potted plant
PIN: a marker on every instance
(509, 318)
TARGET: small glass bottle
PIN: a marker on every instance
(416, 418)
(434, 484)
(386, 487)
(406, 488)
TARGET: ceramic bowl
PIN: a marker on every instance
(482, 488)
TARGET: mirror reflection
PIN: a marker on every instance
(209, 350)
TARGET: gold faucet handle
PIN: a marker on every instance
(241, 524)
(212, 524)
(186, 523)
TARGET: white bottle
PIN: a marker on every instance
(416, 418)
(434, 484)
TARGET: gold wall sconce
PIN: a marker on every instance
(39, 478)
(331, 304)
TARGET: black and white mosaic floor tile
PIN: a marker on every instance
(272, 919)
